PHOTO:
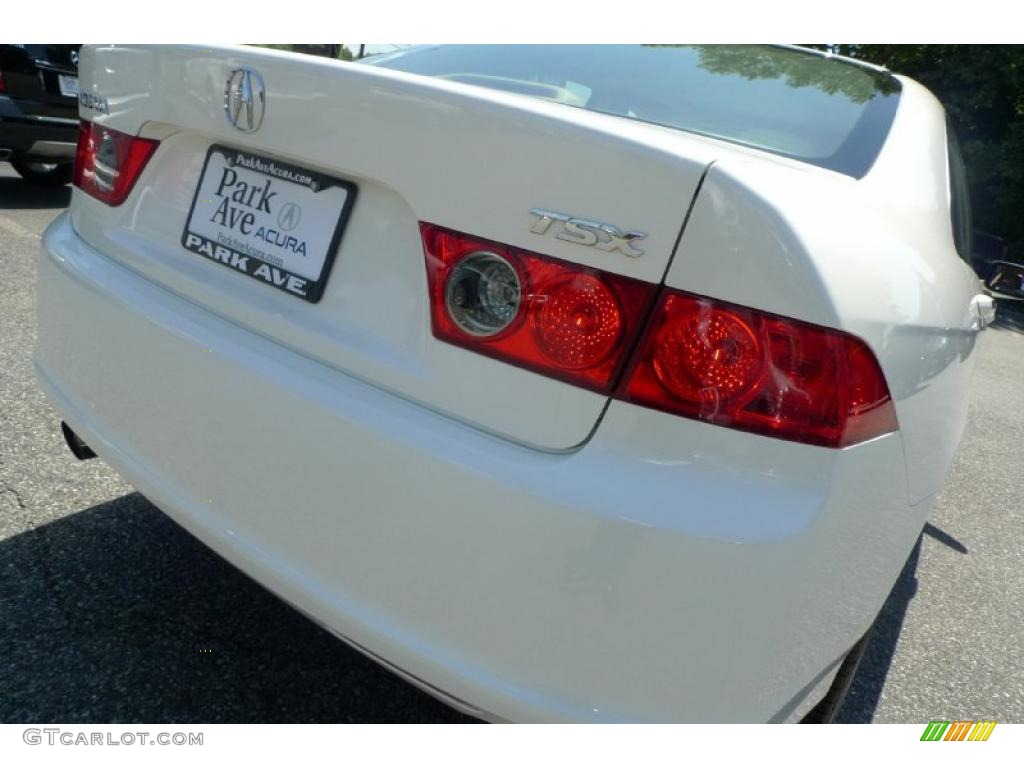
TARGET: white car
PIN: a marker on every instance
(570, 383)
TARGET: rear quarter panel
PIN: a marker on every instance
(872, 256)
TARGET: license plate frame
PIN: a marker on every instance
(280, 174)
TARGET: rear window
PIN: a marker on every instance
(959, 198)
(824, 111)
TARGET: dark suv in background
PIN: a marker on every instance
(39, 110)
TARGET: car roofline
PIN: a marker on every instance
(837, 56)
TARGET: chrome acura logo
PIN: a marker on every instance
(604, 237)
(245, 99)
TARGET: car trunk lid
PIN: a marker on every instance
(391, 150)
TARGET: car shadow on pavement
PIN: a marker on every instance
(866, 690)
(18, 194)
(116, 614)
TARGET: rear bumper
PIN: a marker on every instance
(36, 138)
(665, 571)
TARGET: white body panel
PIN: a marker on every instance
(490, 161)
(873, 256)
(667, 570)
(640, 567)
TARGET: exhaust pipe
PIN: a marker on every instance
(76, 444)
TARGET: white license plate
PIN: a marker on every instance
(270, 220)
(68, 85)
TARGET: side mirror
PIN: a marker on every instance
(986, 249)
(1006, 278)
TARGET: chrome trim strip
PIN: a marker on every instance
(44, 119)
(54, 149)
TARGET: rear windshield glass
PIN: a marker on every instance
(820, 110)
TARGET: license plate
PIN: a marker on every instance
(68, 85)
(275, 222)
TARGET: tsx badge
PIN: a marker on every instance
(604, 237)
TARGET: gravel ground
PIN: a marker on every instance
(111, 612)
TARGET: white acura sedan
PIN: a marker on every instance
(570, 383)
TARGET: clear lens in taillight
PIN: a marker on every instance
(741, 368)
(108, 162)
(563, 320)
(483, 293)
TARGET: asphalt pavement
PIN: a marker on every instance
(109, 612)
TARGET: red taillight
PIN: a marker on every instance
(563, 320)
(3, 83)
(750, 370)
(699, 358)
(108, 162)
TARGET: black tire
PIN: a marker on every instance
(825, 711)
(44, 174)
